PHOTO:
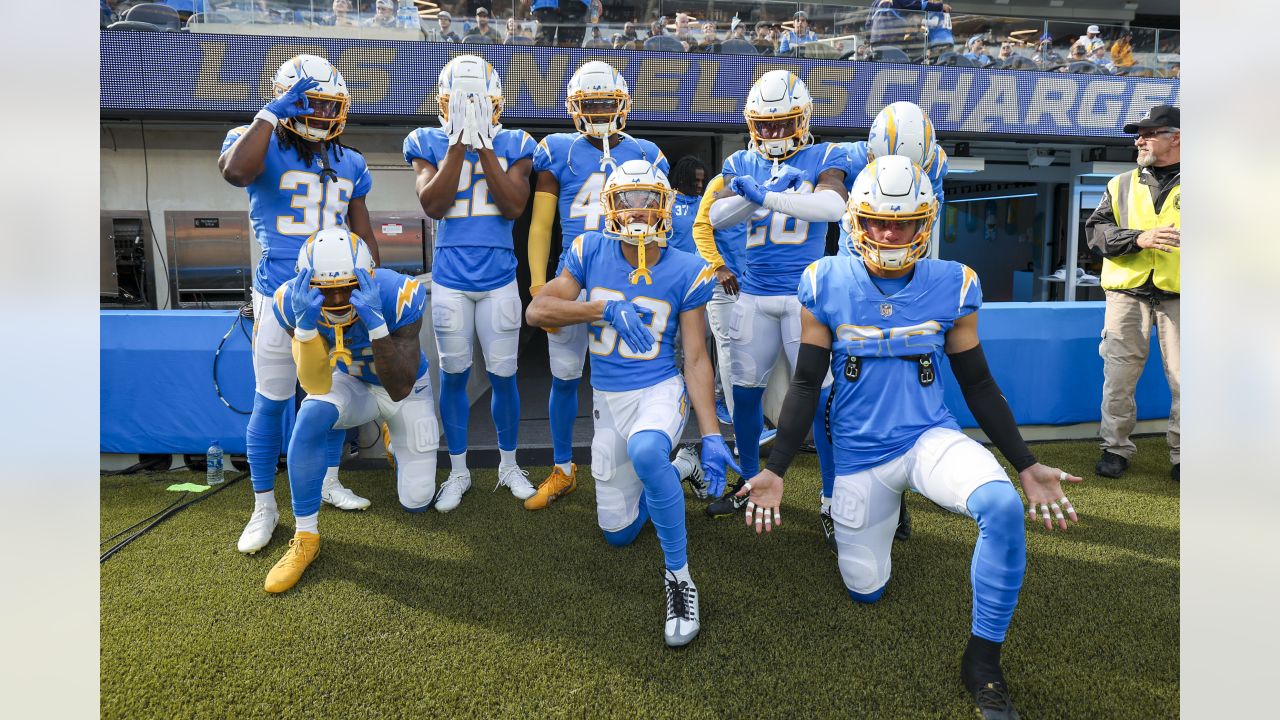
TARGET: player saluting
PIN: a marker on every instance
(355, 337)
(572, 168)
(638, 293)
(473, 176)
(300, 179)
(878, 320)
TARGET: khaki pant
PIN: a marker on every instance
(1126, 341)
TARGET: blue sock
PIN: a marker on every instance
(505, 406)
(308, 453)
(262, 439)
(867, 598)
(826, 454)
(563, 410)
(336, 442)
(627, 535)
(650, 453)
(748, 423)
(999, 558)
(454, 409)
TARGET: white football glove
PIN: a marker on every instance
(457, 118)
(470, 131)
(487, 128)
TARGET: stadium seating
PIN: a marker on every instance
(162, 16)
(133, 25)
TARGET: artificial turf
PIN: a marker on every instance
(494, 611)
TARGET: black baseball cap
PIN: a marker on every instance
(1156, 117)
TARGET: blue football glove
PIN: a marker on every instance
(787, 178)
(367, 302)
(715, 457)
(625, 318)
(748, 189)
(305, 303)
(294, 100)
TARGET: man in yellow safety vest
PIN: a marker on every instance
(1136, 228)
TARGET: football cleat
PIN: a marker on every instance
(1175, 472)
(556, 486)
(257, 533)
(828, 525)
(722, 412)
(386, 446)
(451, 492)
(682, 622)
(1111, 465)
(343, 498)
(729, 503)
(303, 549)
(904, 522)
(696, 478)
(994, 702)
(767, 436)
(516, 480)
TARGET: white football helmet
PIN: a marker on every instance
(891, 189)
(637, 201)
(903, 129)
(473, 75)
(777, 111)
(329, 100)
(333, 254)
(598, 100)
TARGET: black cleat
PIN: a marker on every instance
(1111, 465)
(904, 522)
(828, 529)
(994, 702)
(1175, 472)
(728, 503)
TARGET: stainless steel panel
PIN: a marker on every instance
(209, 257)
(126, 260)
(404, 240)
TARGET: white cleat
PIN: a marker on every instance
(343, 498)
(257, 533)
(516, 480)
(690, 469)
(682, 623)
(451, 492)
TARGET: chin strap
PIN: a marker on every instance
(326, 173)
(641, 272)
(340, 351)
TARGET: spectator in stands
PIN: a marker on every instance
(574, 14)
(1077, 55)
(1006, 51)
(516, 34)
(799, 35)
(443, 32)
(341, 15)
(1045, 55)
(885, 26)
(1137, 229)
(547, 13)
(596, 40)
(938, 21)
(761, 40)
(684, 33)
(976, 50)
(709, 42)
(185, 8)
(659, 40)
(482, 28)
(107, 8)
(1122, 51)
(1099, 57)
(629, 35)
(384, 14)
(1092, 39)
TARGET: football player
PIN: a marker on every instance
(572, 168)
(879, 320)
(901, 128)
(789, 188)
(300, 179)
(355, 337)
(473, 177)
(723, 250)
(636, 292)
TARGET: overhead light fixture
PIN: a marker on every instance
(1131, 6)
(964, 165)
(1055, 3)
(956, 201)
(1002, 2)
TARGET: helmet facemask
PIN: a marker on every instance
(599, 114)
(459, 76)
(779, 136)
(637, 215)
(862, 223)
(327, 119)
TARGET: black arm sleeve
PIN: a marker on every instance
(989, 407)
(1105, 236)
(798, 409)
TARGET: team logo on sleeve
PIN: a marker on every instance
(405, 297)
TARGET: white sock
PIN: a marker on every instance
(508, 458)
(266, 499)
(330, 479)
(683, 574)
(307, 523)
(683, 466)
(459, 462)
(566, 468)
(826, 504)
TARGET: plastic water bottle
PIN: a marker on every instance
(407, 15)
(213, 464)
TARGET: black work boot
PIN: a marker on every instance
(1111, 465)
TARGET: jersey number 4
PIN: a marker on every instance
(586, 204)
(608, 340)
(323, 205)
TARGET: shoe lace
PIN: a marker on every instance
(992, 696)
(294, 557)
(505, 477)
(828, 524)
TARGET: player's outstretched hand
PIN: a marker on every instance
(788, 178)
(715, 459)
(305, 303)
(1043, 487)
(765, 503)
(293, 102)
(748, 189)
(625, 318)
(368, 304)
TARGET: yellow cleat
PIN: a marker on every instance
(556, 486)
(386, 446)
(303, 548)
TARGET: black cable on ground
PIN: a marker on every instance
(168, 513)
(181, 498)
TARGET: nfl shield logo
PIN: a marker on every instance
(886, 309)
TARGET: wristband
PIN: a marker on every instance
(302, 335)
(265, 114)
(379, 332)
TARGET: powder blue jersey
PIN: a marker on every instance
(683, 213)
(780, 247)
(287, 203)
(880, 414)
(575, 163)
(473, 246)
(404, 301)
(858, 159)
(681, 281)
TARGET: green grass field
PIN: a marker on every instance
(493, 611)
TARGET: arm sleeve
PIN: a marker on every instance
(544, 213)
(312, 359)
(704, 235)
(1105, 236)
(988, 406)
(799, 407)
(729, 211)
(819, 206)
